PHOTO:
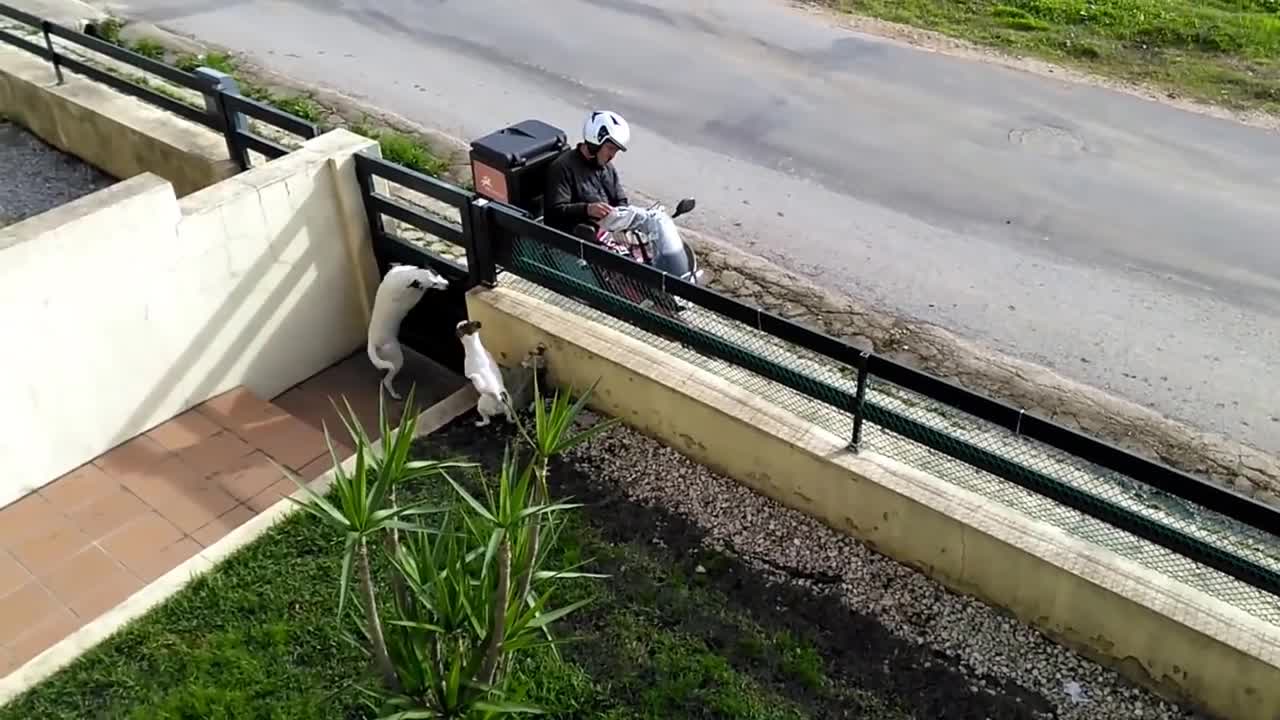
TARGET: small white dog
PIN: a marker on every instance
(398, 293)
(483, 372)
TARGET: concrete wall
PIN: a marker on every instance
(116, 133)
(1177, 640)
(128, 306)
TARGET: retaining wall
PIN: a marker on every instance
(128, 306)
(118, 134)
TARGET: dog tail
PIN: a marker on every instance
(377, 361)
(507, 408)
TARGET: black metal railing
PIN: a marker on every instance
(1202, 492)
(641, 296)
(240, 140)
(390, 248)
(224, 109)
(429, 327)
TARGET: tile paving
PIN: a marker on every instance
(88, 540)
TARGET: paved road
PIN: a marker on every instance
(1124, 243)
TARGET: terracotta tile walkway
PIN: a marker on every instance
(88, 540)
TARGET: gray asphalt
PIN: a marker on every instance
(1121, 242)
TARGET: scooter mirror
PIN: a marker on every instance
(684, 206)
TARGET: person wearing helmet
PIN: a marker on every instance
(582, 184)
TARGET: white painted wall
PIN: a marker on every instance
(128, 306)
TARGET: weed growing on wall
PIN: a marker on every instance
(150, 48)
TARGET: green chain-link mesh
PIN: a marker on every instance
(947, 443)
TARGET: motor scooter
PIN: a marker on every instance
(649, 235)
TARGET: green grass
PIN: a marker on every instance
(221, 62)
(300, 105)
(165, 90)
(109, 30)
(403, 149)
(1219, 51)
(397, 147)
(150, 48)
(257, 638)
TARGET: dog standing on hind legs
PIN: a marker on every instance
(398, 293)
(484, 373)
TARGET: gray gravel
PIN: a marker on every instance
(989, 647)
(35, 177)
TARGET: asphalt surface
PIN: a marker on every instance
(1124, 243)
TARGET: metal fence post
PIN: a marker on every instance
(377, 229)
(860, 399)
(219, 84)
(481, 263)
(53, 54)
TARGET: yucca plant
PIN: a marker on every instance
(477, 589)
(365, 508)
(552, 425)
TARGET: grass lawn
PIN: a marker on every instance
(675, 632)
(1219, 51)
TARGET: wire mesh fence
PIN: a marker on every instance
(948, 443)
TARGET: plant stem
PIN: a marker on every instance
(441, 672)
(526, 576)
(497, 633)
(380, 656)
(398, 585)
(535, 532)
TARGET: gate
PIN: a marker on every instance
(428, 329)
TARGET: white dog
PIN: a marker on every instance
(398, 293)
(483, 372)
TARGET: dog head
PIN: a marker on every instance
(536, 358)
(468, 327)
(418, 278)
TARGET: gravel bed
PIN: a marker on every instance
(37, 177)
(987, 646)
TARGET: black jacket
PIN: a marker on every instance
(573, 183)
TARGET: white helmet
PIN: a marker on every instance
(604, 125)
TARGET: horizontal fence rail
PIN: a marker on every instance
(61, 61)
(241, 140)
(390, 248)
